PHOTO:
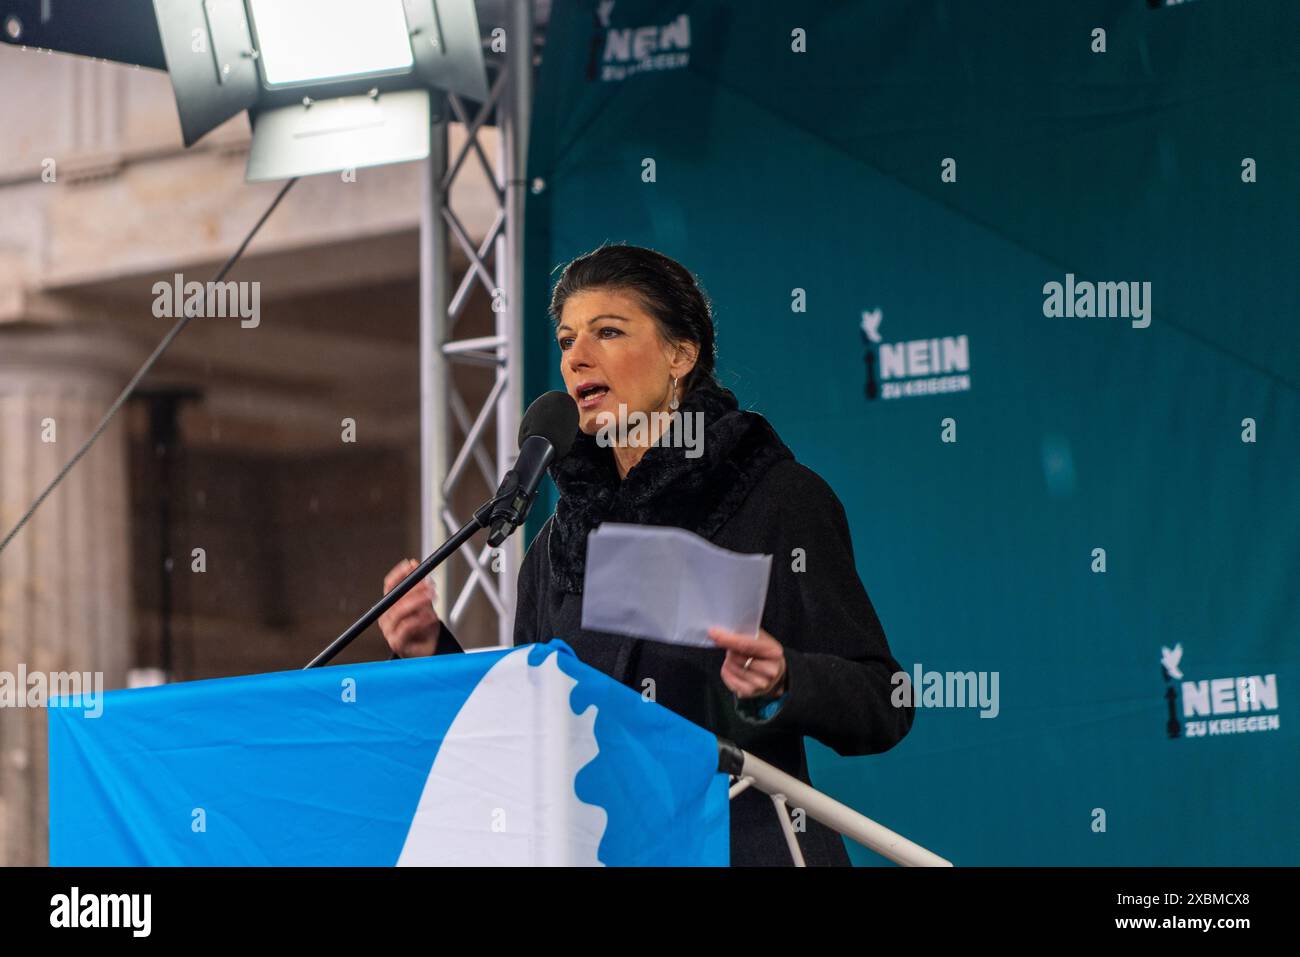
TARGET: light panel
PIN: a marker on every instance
(303, 41)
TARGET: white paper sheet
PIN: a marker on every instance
(671, 585)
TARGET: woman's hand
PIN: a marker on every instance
(765, 674)
(411, 627)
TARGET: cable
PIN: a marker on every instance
(143, 371)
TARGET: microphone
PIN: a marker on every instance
(547, 432)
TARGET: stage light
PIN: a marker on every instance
(328, 84)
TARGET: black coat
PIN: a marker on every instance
(747, 494)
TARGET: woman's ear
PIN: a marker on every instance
(685, 354)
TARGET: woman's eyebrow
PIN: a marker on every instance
(610, 315)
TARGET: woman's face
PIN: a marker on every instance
(611, 353)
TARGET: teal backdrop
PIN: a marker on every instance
(934, 165)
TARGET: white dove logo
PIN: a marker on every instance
(501, 788)
(1170, 657)
(871, 324)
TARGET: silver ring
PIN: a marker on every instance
(748, 661)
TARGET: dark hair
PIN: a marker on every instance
(666, 289)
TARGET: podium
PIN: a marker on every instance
(522, 756)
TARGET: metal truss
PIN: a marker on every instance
(496, 265)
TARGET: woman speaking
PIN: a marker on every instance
(635, 330)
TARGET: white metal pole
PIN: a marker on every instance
(513, 114)
(435, 437)
(838, 816)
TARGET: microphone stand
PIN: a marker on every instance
(483, 517)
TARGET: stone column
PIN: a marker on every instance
(65, 580)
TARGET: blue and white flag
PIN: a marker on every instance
(515, 757)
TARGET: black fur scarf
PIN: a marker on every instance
(665, 487)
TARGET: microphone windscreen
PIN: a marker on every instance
(554, 416)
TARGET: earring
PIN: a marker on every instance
(674, 403)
